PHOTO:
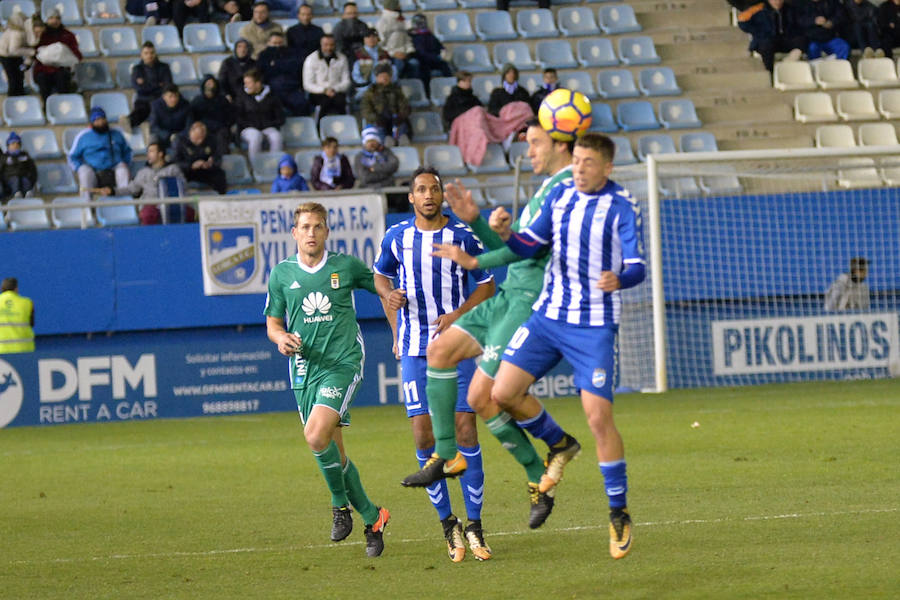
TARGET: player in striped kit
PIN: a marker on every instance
(431, 294)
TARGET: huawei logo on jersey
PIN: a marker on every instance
(316, 301)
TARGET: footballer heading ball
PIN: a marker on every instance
(565, 114)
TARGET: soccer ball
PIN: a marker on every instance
(565, 114)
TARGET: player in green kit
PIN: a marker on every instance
(314, 288)
(488, 327)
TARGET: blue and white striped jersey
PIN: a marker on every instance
(588, 233)
(434, 286)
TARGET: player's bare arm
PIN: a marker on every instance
(460, 201)
(501, 222)
(609, 281)
(456, 254)
(480, 294)
(288, 343)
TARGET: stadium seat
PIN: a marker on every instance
(473, 58)
(321, 7)
(40, 143)
(64, 217)
(637, 50)
(203, 37)
(701, 141)
(232, 31)
(835, 136)
(183, 71)
(856, 105)
(164, 37)
(516, 53)
(114, 103)
(304, 160)
(602, 118)
(453, 27)
(536, 23)
(116, 215)
(477, 193)
(503, 193)
(406, 6)
(408, 156)
(22, 111)
(494, 161)
(889, 103)
(813, 107)
(724, 184)
(636, 116)
(624, 154)
(468, 4)
(793, 75)
(658, 81)
(834, 74)
(86, 44)
(877, 72)
(343, 128)
(2, 222)
(56, 178)
(555, 53)
(597, 52)
(68, 10)
(878, 134)
(123, 73)
(655, 143)
(517, 149)
(265, 166)
(66, 109)
(92, 76)
(415, 92)
(446, 158)
(854, 173)
(103, 12)
(577, 21)
(430, 5)
(427, 127)
(135, 141)
(531, 81)
(237, 172)
(440, 89)
(326, 23)
(118, 41)
(616, 83)
(4, 83)
(494, 25)
(300, 132)
(617, 18)
(678, 114)
(679, 187)
(209, 64)
(23, 220)
(579, 81)
(8, 6)
(68, 138)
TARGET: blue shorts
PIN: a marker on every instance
(413, 368)
(592, 351)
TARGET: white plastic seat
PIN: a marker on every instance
(453, 27)
(64, 217)
(617, 18)
(814, 107)
(164, 37)
(577, 21)
(835, 136)
(516, 53)
(856, 106)
(889, 103)
(427, 127)
(118, 41)
(494, 25)
(877, 72)
(793, 75)
(616, 83)
(446, 158)
(834, 75)
(555, 53)
(40, 144)
(203, 37)
(34, 218)
(858, 173)
(66, 109)
(878, 134)
(536, 23)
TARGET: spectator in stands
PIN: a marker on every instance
(148, 78)
(395, 39)
(199, 157)
(861, 29)
(551, 82)
(509, 90)
(259, 115)
(14, 49)
(18, 172)
(182, 10)
(157, 12)
(349, 31)
(213, 108)
(850, 290)
(16, 321)
(820, 21)
(289, 179)
(504, 4)
(331, 169)
(774, 27)
(326, 78)
(304, 37)
(386, 106)
(889, 26)
(258, 29)
(100, 156)
(282, 69)
(169, 116)
(429, 51)
(368, 57)
(233, 10)
(146, 182)
(53, 75)
(461, 99)
(231, 72)
(375, 165)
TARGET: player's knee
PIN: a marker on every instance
(466, 430)
(440, 354)
(316, 439)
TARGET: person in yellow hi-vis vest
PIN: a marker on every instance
(16, 319)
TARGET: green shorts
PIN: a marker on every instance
(335, 388)
(493, 322)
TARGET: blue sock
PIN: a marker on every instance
(543, 427)
(616, 482)
(437, 491)
(472, 482)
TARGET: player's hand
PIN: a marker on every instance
(395, 348)
(501, 222)
(289, 343)
(456, 254)
(396, 299)
(460, 201)
(609, 281)
(443, 322)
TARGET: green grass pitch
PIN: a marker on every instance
(782, 491)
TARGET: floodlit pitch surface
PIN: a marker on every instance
(787, 491)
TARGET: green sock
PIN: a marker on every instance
(517, 443)
(329, 461)
(441, 391)
(357, 494)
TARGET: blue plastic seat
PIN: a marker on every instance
(135, 141)
(602, 118)
(68, 11)
(453, 27)
(658, 81)
(446, 158)
(415, 92)
(2, 222)
(617, 18)
(326, 23)
(115, 104)
(516, 53)
(304, 160)
(493, 25)
(437, 4)
(164, 37)
(56, 178)
(116, 215)
(68, 138)
(579, 81)
(86, 44)
(636, 116)
(300, 132)
(233, 32)
(8, 6)
(624, 154)
(531, 81)
(555, 53)
(123, 73)
(467, 4)
(616, 83)
(364, 7)
(183, 71)
(477, 193)
(64, 217)
(24, 220)
(237, 172)
(517, 149)
(22, 111)
(494, 161)
(701, 141)
(93, 75)
(427, 127)
(408, 157)
(473, 58)
(66, 109)
(343, 128)
(502, 194)
(724, 184)
(577, 21)
(103, 12)
(536, 23)
(638, 50)
(203, 37)
(4, 83)
(597, 52)
(321, 7)
(678, 114)
(40, 144)
(655, 143)
(265, 166)
(118, 41)
(209, 64)
(679, 187)
(483, 85)
(440, 88)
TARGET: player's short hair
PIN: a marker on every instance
(598, 142)
(858, 262)
(423, 170)
(311, 207)
(535, 122)
(9, 284)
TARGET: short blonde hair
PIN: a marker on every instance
(311, 207)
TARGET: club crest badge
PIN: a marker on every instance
(335, 281)
(231, 251)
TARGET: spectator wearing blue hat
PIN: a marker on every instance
(375, 165)
(289, 179)
(17, 172)
(100, 156)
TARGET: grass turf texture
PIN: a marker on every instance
(783, 491)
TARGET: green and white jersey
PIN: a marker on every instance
(317, 303)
